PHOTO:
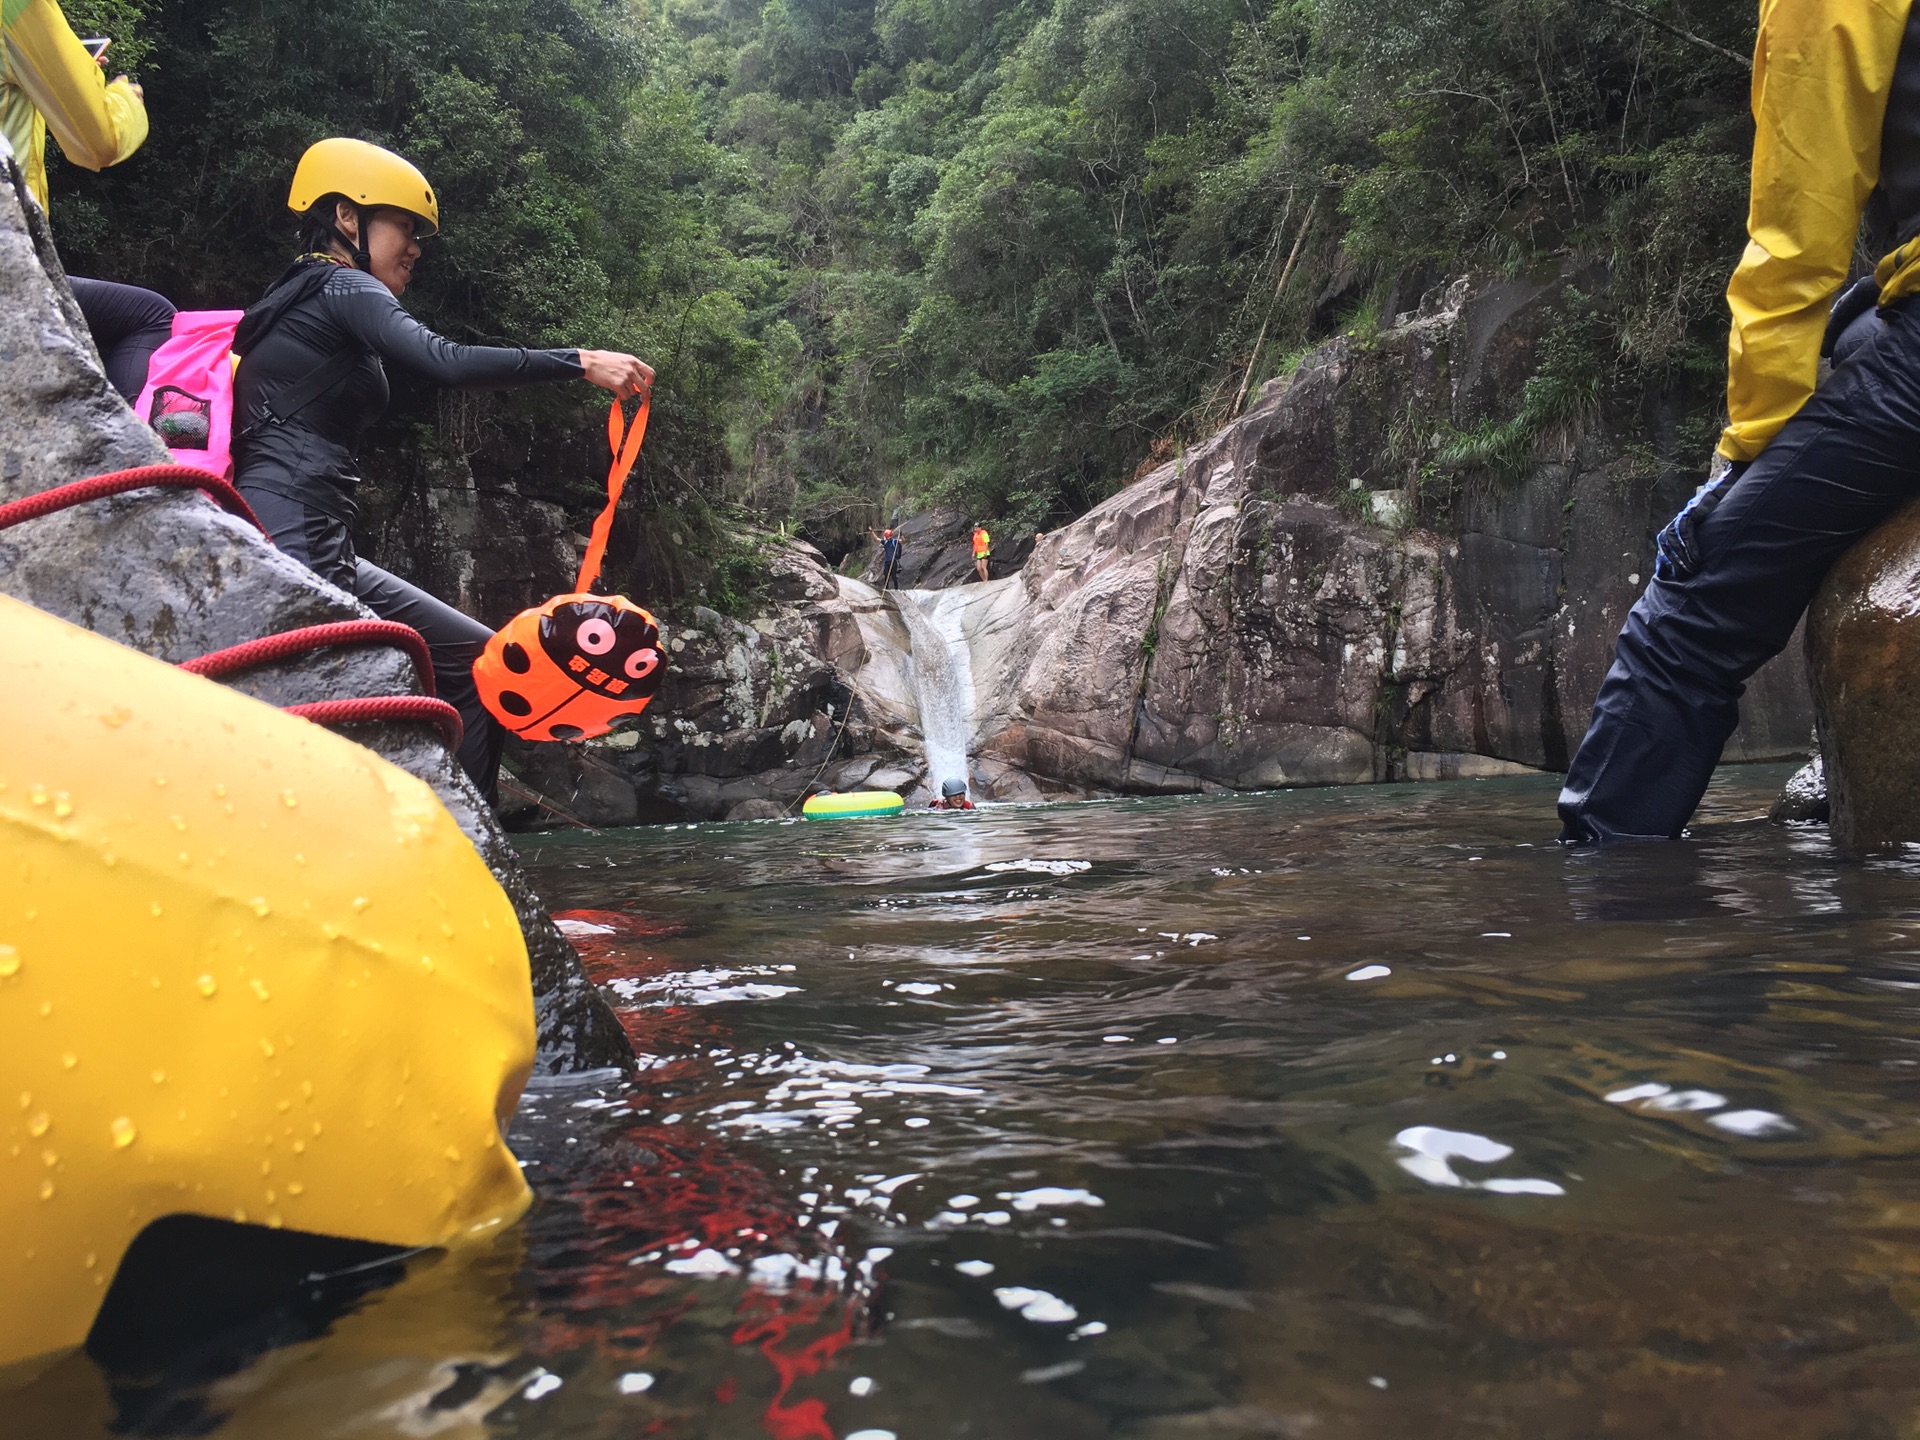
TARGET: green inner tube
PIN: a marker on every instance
(854, 805)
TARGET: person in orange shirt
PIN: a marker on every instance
(1800, 474)
(982, 551)
(50, 82)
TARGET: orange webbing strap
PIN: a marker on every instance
(623, 458)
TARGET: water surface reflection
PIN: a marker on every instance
(1346, 1113)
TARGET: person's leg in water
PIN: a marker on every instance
(1839, 467)
(324, 544)
(128, 325)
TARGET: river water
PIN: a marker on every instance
(1363, 1112)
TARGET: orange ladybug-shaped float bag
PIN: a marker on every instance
(568, 669)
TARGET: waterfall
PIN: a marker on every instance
(942, 679)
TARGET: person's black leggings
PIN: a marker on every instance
(1838, 468)
(128, 325)
(324, 544)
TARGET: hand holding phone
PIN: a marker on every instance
(96, 46)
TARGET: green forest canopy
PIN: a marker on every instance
(996, 252)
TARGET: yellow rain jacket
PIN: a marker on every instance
(48, 81)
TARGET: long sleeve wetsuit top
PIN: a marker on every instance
(310, 457)
(1836, 108)
(48, 81)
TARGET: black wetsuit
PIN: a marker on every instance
(128, 325)
(298, 471)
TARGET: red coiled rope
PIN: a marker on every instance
(437, 713)
(116, 482)
(289, 643)
(362, 710)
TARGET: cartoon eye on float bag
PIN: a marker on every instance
(568, 669)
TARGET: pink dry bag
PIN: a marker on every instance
(189, 395)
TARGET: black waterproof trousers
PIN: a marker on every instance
(128, 325)
(1838, 468)
(324, 543)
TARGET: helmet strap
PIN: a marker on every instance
(361, 259)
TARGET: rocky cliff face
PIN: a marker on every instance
(1270, 610)
(168, 574)
(1306, 599)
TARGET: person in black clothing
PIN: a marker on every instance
(312, 378)
(128, 325)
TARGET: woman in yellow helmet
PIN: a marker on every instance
(1801, 474)
(312, 378)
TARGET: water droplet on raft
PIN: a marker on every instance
(37, 795)
(206, 985)
(289, 799)
(260, 907)
(266, 1047)
(159, 1077)
(153, 908)
(123, 1133)
(39, 1124)
(259, 988)
(62, 805)
(452, 1154)
(161, 781)
(294, 1187)
(46, 1189)
(9, 962)
(115, 717)
(69, 1059)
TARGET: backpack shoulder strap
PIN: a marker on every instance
(311, 386)
(300, 284)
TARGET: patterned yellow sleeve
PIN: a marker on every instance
(97, 124)
(1821, 73)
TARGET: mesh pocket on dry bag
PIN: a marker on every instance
(183, 421)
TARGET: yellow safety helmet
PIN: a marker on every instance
(367, 176)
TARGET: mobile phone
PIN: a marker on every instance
(97, 46)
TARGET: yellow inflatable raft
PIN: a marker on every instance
(248, 970)
(854, 805)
